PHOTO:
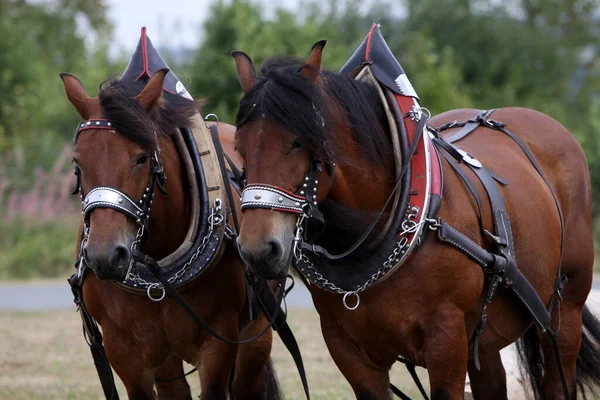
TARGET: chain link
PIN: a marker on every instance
(408, 226)
(215, 219)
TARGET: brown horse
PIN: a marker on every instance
(295, 119)
(146, 341)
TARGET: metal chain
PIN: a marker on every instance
(214, 219)
(408, 226)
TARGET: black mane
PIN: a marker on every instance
(296, 104)
(129, 119)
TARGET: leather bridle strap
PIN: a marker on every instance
(272, 198)
(319, 250)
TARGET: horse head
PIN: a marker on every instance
(122, 157)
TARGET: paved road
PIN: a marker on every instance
(56, 295)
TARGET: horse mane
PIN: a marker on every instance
(117, 100)
(298, 105)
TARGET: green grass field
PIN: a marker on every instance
(44, 356)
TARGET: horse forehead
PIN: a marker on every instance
(101, 144)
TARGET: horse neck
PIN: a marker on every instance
(359, 183)
(170, 215)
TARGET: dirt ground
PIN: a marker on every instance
(44, 356)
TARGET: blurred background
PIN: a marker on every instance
(543, 54)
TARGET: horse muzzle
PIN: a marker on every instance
(109, 265)
(268, 259)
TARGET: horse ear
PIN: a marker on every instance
(150, 97)
(245, 70)
(77, 95)
(313, 64)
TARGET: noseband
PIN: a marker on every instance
(110, 197)
(303, 201)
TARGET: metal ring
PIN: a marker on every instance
(346, 301)
(158, 298)
(206, 118)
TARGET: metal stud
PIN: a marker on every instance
(314, 189)
(108, 124)
(304, 185)
(82, 125)
(147, 189)
(97, 122)
(297, 204)
(88, 123)
(315, 203)
(302, 192)
(138, 213)
(87, 201)
(120, 200)
(306, 179)
(144, 196)
(280, 199)
(141, 201)
(316, 182)
(149, 208)
(151, 201)
(257, 196)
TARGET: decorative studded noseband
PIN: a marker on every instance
(261, 195)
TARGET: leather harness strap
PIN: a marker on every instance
(93, 337)
(502, 267)
(469, 126)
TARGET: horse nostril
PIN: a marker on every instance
(275, 250)
(120, 257)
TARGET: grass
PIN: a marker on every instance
(44, 356)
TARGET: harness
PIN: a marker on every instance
(205, 252)
(499, 265)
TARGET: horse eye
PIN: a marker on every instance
(296, 145)
(143, 159)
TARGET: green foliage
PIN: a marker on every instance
(45, 250)
(40, 40)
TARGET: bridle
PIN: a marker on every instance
(113, 198)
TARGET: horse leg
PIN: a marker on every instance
(217, 361)
(369, 380)
(254, 377)
(569, 342)
(446, 354)
(490, 381)
(127, 363)
(169, 388)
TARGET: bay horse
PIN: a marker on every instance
(146, 341)
(319, 139)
